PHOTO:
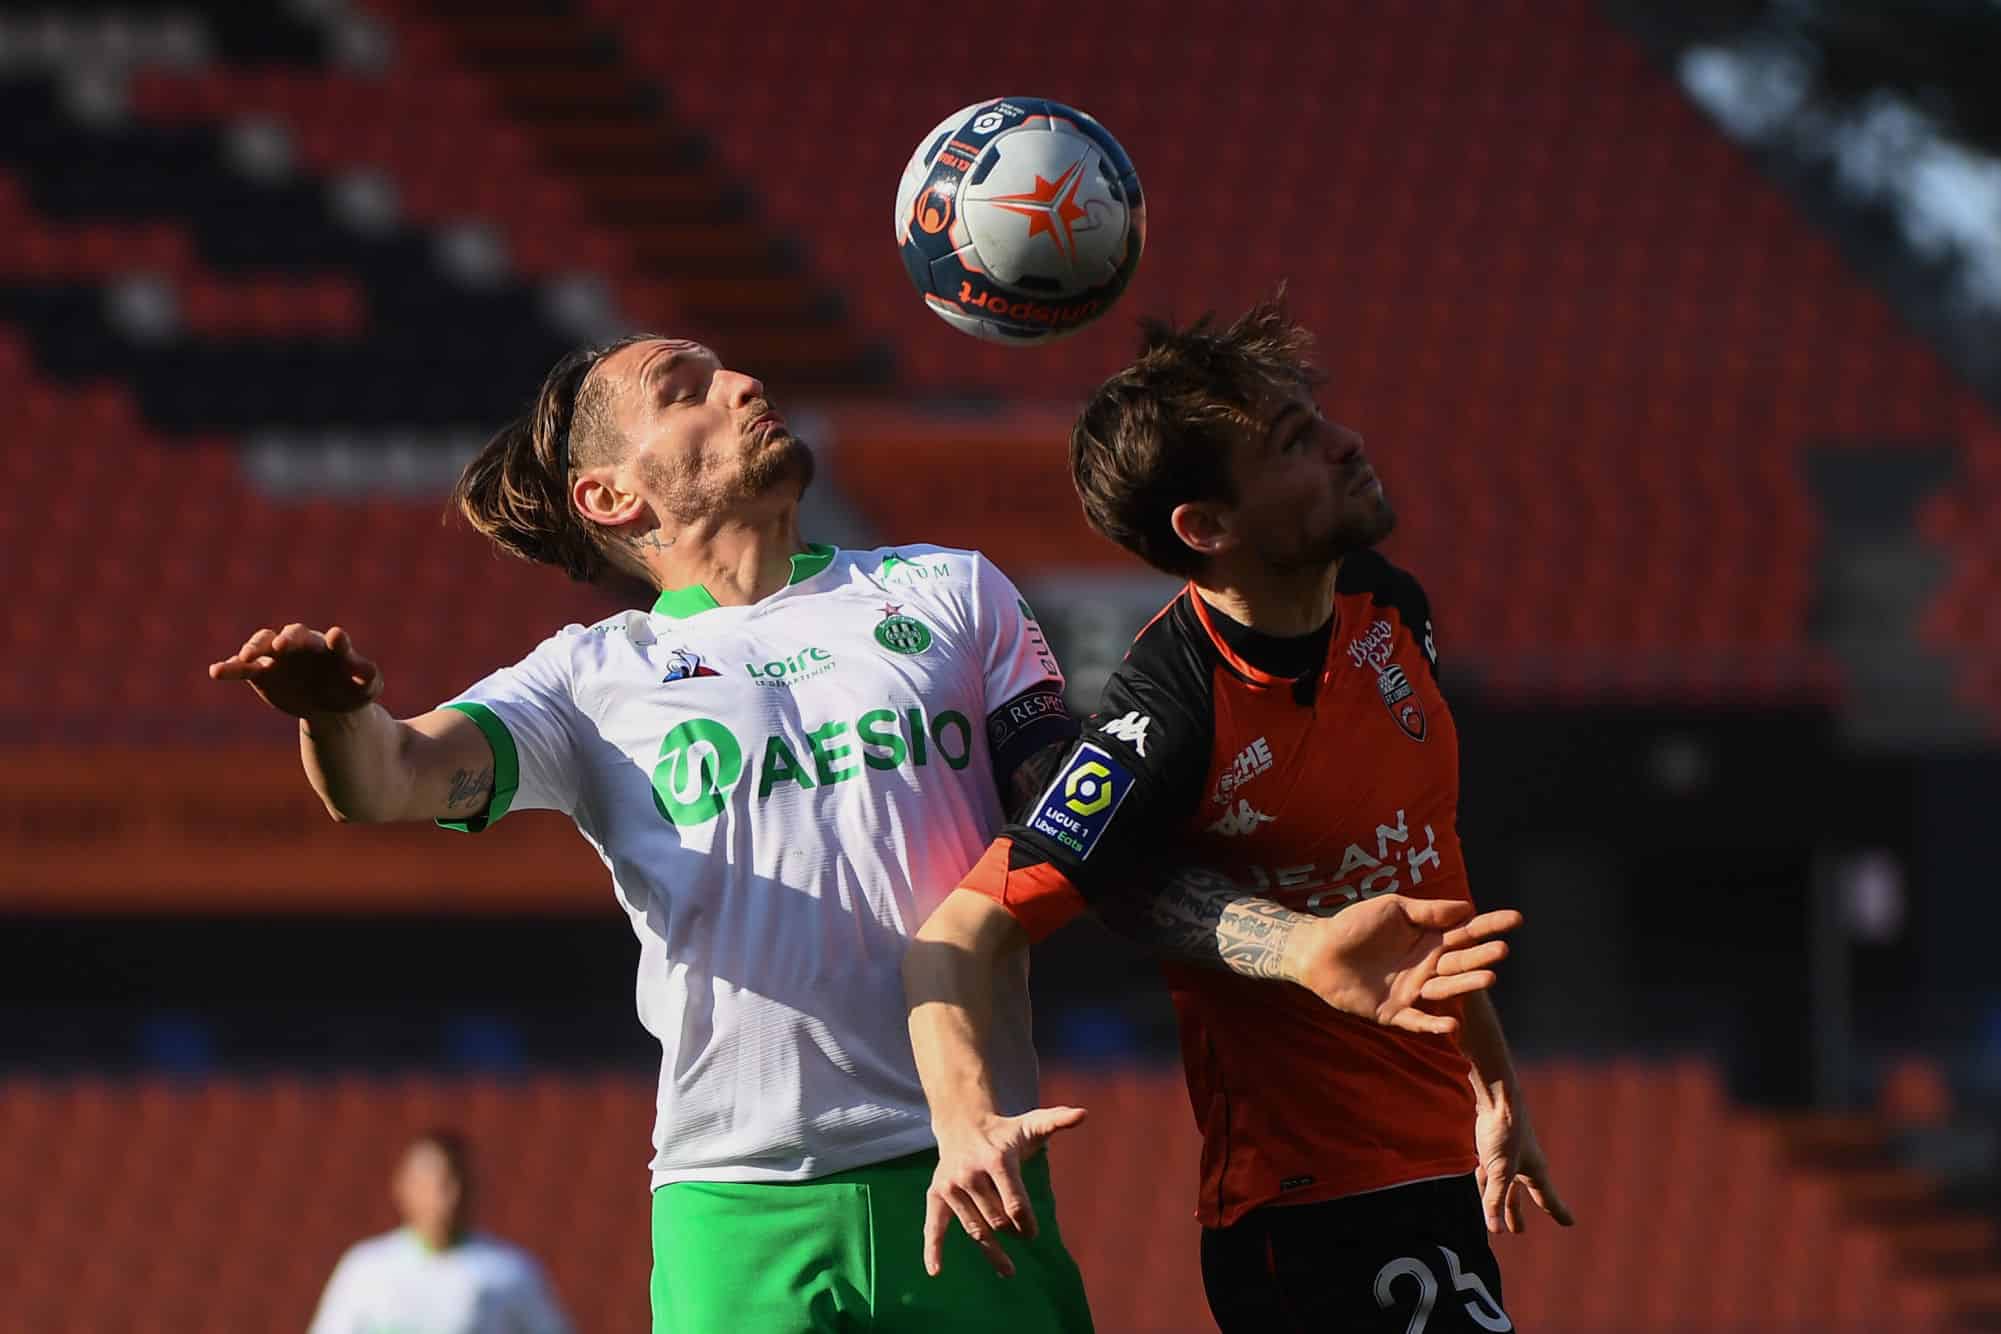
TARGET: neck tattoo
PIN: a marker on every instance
(650, 541)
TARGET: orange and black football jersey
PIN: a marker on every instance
(1315, 791)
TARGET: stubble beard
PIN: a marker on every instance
(770, 464)
(765, 468)
(1354, 532)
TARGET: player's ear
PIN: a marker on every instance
(598, 498)
(1204, 526)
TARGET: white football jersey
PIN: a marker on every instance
(396, 1284)
(782, 793)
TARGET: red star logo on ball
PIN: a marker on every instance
(1050, 203)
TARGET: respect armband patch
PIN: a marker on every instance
(1078, 805)
(1025, 724)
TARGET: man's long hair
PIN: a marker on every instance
(516, 490)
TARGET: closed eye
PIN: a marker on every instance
(1284, 432)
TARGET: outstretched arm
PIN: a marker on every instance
(948, 984)
(365, 765)
(1379, 959)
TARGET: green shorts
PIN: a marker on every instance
(846, 1253)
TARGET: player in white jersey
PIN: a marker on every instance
(435, 1275)
(785, 763)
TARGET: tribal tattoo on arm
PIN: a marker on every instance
(1201, 917)
(469, 788)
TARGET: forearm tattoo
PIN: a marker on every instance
(1200, 917)
(469, 788)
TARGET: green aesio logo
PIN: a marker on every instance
(701, 760)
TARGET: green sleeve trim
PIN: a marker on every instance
(506, 768)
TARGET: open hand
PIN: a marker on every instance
(1382, 958)
(298, 670)
(1511, 1165)
(978, 1180)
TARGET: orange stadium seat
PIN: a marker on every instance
(221, 1206)
(1541, 299)
(1606, 330)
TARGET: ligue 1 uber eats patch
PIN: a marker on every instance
(1076, 808)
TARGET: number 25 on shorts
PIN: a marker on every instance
(1481, 1308)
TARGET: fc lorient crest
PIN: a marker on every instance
(1398, 697)
(1372, 649)
(899, 633)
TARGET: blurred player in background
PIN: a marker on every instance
(435, 1275)
(1279, 722)
(783, 763)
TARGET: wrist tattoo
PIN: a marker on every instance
(1199, 916)
(469, 788)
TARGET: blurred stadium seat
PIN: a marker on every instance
(221, 1206)
(1607, 330)
(267, 272)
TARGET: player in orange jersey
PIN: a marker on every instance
(1280, 723)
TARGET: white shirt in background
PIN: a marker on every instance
(396, 1284)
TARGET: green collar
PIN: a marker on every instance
(681, 603)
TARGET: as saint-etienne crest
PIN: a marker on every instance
(899, 633)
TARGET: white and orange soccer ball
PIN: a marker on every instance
(1019, 219)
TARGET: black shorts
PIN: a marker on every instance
(1409, 1260)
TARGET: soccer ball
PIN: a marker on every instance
(1019, 219)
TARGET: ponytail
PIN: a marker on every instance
(516, 490)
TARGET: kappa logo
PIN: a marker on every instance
(1245, 819)
(1374, 648)
(684, 664)
(1251, 761)
(1131, 729)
